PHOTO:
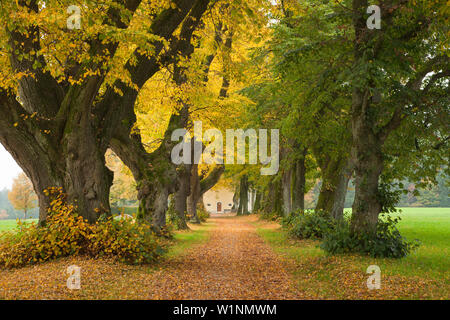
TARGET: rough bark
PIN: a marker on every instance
(368, 167)
(70, 159)
(155, 174)
(330, 169)
(199, 186)
(367, 145)
(286, 181)
(252, 199)
(181, 195)
(368, 136)
(63, 141)
(257, 203)
(235, 206)
(243, 196)
(272, 203)
(299, 184)
(337, 210)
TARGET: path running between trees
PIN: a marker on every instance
(235, 263)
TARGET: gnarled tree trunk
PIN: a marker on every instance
(271, 203)
(299, 184)
(181, 196)
(243, 196)
(330, 171)
(155, 174)
(199, 186)
(286, 181)
(194, 196)
(336, 173)
(337, 210)
(59, 137)
(257, 203)
(368, 167)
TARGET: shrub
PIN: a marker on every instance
(202, 214)
(269, 216)
(128, 242)
(387, 242)
(173, 221)
(66, 233)
(308, 224)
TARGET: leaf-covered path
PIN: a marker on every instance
(234, 263)
(231, 262)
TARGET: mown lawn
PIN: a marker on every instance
(10, 224)
(183, 240)
(425, 273)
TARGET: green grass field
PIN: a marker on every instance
(430, 225)
(6, 225)
(183, 240)
(430, 261)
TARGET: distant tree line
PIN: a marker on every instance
(7, 210)
(412, 195)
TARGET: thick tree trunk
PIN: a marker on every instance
(337, 211)
(252, 200)
(272, 203)
(72, 159)
(330, 171)
(257, 203)
(368, 168)
(299, 185)
(235, 206)
(335, 178)
(286, 187)
(87, 180)
(367, 144)
(194, 195)
(153, 203)
(181, 196)
(243, 196)
(87, 183)
(200, 186)
(155, 175)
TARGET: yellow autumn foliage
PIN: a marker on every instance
(67, 234)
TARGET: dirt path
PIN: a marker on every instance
(234, 264)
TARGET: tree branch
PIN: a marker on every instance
(38, 90)
(211, 179)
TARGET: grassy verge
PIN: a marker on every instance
(183, 240)
(423, 274)
(10, 224)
